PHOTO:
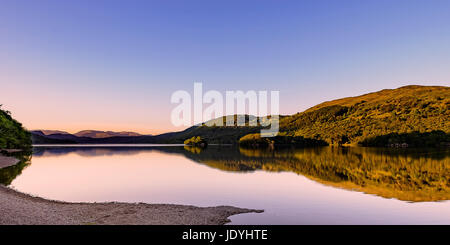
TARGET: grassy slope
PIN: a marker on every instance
(12, 134)
(351, 120)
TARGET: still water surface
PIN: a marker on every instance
(294, 186)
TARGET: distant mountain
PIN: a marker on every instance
(48, 132)
(40, 138)
(73, 139)
(103, 134)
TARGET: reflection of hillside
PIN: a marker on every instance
(405, 175)
(8, 174)
(225, 158)
(93, 151)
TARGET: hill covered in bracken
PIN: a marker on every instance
(390, 116)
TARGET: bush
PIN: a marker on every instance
(196, 141)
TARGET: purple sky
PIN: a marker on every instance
(113, 65)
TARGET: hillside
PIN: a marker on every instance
(416, 115)
(12, 134)
(406, 110)
(213, 134)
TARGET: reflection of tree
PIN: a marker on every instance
(193, 149)
(413, 175)
(8, 174)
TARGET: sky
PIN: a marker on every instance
(113, 65)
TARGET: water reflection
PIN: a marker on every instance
(8, 174)
(404, 174)
(294, 186)
(411, 175)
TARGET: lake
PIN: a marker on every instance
(326, 185)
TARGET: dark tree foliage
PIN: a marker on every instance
(12, 134)
(255, 140)
(435, 138)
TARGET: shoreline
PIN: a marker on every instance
(6, 161)
(18, 208)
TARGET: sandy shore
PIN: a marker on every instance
(21, 209)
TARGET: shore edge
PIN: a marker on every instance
(18, 208)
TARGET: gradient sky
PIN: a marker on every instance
(113, 65)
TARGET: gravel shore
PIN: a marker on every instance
(21, 209)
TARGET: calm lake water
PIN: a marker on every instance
(294, 186)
